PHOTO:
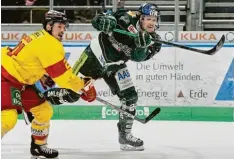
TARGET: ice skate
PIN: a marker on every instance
(130, 143)
(42, 152)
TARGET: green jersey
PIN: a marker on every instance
(116, 46)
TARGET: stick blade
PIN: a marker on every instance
(217, 47)
(153, 114)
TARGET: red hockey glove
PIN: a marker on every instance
(89, 92)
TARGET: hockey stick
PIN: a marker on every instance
(143, 121)
(212, 51)
(27, 122)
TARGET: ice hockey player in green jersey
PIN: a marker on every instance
(106, 57)
(107, 54)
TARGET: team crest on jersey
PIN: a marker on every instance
(132, 29)
(16, 97)
(132, 14)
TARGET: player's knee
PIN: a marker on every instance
(129, 99)
(43, 112)
(129, 96)
(9, 120)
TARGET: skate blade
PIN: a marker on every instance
(125, 147)
(42, 157)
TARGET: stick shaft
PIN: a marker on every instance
(207, 52)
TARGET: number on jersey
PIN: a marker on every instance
(20, 46)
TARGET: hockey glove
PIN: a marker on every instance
(59, 96)
(142, 40)
(156, 46)
(105, 23)
(88, 92)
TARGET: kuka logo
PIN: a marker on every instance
(198, 36)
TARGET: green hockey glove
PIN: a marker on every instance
(156, 46)
(142, 40)
(105, 23)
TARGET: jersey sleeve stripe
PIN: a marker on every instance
(57, 69)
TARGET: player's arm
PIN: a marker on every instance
(145, 47)
(60, 71)
(59, 96)
(57, 67)
(139, 44)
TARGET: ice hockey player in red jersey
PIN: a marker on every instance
(38, 56)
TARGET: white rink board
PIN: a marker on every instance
(160, 80)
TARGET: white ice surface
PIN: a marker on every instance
(99, 140)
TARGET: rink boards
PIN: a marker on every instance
(186, 85)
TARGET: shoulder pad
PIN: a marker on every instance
(132, 14)
(125, 19)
